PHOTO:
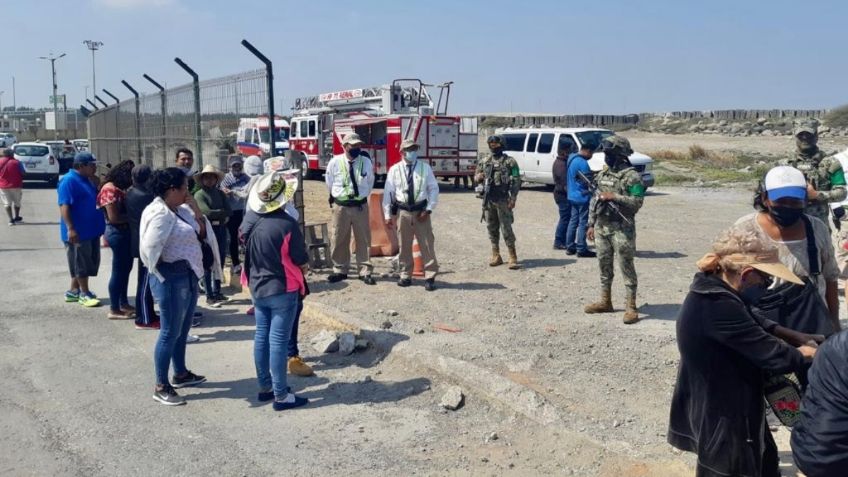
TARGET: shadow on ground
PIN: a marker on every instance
(660, 312)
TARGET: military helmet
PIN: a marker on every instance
(617, 145)
(809, 126)
(496, 138)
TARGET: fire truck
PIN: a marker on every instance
(383, 116)
(254, 137)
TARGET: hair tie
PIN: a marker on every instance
(709, 262)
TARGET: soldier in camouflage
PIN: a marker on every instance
(504, 182)
(621, 184)
(825, 178)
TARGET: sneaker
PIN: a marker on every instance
(265, 395)
(152, 326)
(119, 315)
(18, 219)
(128, 309)
(190, 379)
(289, 402)
(570, 251)
(587, 254)
(211, 302)
(337, 277)
(221, 298)
(251, 311)
(299, 368)
(560, 247)
(368, 280)
(429, 285)
(404, 282)
(11, 223)
(71, 296)
(168, 396)
(88, 300)
(192, 339)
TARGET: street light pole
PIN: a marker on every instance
(52, 60)
(93, 46)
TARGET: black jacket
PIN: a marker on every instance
(135, 201)
(820, 440)
(717, 409)
(559, 172)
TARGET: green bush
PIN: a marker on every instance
(497, 122)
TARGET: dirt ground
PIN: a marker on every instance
(647, 142)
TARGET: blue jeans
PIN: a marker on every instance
(274, 317)
(118, 239)
(177, 298)
(144, 312)
(293, 350)
(562, 225)
(577, 227)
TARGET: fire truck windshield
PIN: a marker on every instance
(282, 135)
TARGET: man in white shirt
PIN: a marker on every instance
(411, 192)
(350, 177)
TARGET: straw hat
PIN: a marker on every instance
(209, 169)
(272, 190)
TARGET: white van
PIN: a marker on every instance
(535, 150)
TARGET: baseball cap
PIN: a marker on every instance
(806, 126)
(785, 181)
(352, 138)
(407, 144)
(84, 158)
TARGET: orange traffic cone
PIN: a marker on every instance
(417, 261)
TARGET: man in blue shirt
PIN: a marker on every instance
(579, 198)
(81, 227)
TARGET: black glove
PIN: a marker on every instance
(838, 213)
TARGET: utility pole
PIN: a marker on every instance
(14, 99)
(52, 60)
(1, 101)
(93, 46)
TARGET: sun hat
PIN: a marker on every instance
(352, 139)
(408, 144)
(785, 181)
(209, 169)
(272, 190)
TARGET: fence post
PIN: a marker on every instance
(137, 120)
(164, 119)
(198, 134)
(269, 68)
(92, 104)
(101, 101)
(117, 123)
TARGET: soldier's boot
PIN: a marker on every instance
(496, 257)
(602, 306)
(631, 313)
(513, 259)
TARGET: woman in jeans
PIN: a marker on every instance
(112, 200)
(169, 245)
(275, 261)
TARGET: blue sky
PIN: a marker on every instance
(525, 56)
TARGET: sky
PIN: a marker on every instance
(530, 56)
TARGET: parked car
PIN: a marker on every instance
(81, 145)
(64, 153)
(39, 161)
(535, 150)
(7, 139)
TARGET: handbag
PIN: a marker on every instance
(205, 249)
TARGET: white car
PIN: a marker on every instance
(81, 145)
(535, 150)
(39, 161)
(7, 139)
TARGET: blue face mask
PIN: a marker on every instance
(354, 152)
(410, 156)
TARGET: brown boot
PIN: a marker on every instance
(602, 306)
(513, 259)
(496, 257)
(631, 314)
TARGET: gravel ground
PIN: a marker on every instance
(611, 382)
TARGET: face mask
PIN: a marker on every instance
(497, 150)
(354, 152)
(410, 156)
(752, 294)
(806, 146)
(785, 216)
(610, 160)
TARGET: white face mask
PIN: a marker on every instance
(410, 156)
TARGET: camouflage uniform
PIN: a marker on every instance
(613, 235)
(824, 173)
(505, 182)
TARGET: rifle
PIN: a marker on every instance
(487, 187)
(596, 194)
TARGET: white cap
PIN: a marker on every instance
(786, 181)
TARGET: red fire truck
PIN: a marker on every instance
(383, 116)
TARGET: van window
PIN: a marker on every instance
(594, 138)
(531, 142)
(312, 128)
(546, 143)
(514, 142)
(566, 141)
(248, 135)
(294, 128)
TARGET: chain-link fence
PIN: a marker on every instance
(152, 130)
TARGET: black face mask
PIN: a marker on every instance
(752, 294)
(785, 216)
(497, 150)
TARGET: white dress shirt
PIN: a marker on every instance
(425, 186)
(338, 177)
